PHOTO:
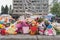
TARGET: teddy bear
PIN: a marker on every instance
(11, 30)
(33, 29)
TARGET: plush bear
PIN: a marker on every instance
(33, 29)
(34, 22)
(12, 30)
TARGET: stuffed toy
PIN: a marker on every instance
(25, 30)
(0, 18)
(3, 31)
(56, 26)
(12, 30)
(19, 26)
(1, 22)
(33, 29)
(2, 26)
(41, 28)
(29, 19)
(6, 19)
(50, 30)
(35, 23)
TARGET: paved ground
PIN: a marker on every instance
(29, 37)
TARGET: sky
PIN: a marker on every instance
(5, 2)
(9, 2)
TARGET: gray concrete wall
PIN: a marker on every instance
(29, 37)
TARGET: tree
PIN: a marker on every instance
(10, 9)
(2, 9)
(56, 9)
(6, 9)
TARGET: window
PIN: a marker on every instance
(37, 10)
(29, 7)
(33, 1)
(16, 1)
(14, 4)
(45, 10)
(20, 7)
(40, 10)
(16, 10)
(26, 8)
(22, 11)
(15, 7)
(20, 4)
(29, 4)
(44, 4)
(44, 7)
(37, 7)
(21, 1)
(25, 4)
(33, 4)
(38, 4)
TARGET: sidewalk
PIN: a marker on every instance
(29, 37)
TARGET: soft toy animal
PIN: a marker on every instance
(2, 26)
(12, 30)
(19, 27)
(41, 27)
(50, 30)
(33, 29)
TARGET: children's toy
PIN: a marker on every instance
(41, 27)
(25, 30)
(3, 32)
(33, 29)
(50, 30)
(12, 30)
(2, 26)
(19, 27)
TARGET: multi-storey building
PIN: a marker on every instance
(55, 1)
(33, 6)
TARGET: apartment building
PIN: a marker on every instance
(32, 6)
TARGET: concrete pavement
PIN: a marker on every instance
(29, 37)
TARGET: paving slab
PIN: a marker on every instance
(18, 37)
(29, 37)
(57, 37)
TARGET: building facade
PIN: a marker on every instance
(55, 1)
(33, 6)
